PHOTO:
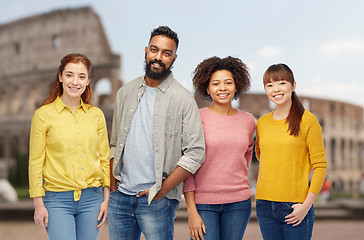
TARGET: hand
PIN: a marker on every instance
(41, 217)
(103, 213)
(145, 192)
(196, 226)
(298, 214)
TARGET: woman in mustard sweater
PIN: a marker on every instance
(69, 175)
(289, 146)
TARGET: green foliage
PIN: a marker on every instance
(18, 173)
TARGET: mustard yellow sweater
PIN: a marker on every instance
(286, 161)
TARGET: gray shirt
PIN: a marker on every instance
(137, 171)
(178, 135)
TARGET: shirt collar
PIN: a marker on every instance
(59, 105)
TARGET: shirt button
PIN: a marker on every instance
(78, 132)
(121, 145)
(81, 155)
(126, 128)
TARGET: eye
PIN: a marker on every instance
(269, 85)
(82, 77)
(153, 50)
(167, 54)
(282, 82)
(229, 82)
(68, 75)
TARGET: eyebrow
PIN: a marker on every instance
(166, 50)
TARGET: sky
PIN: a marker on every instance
(322, 41)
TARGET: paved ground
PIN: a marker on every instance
(323, 230)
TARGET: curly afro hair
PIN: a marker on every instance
(202, 74)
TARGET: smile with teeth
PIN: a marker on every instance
(223, 95)
(278, 96)
(74, 88)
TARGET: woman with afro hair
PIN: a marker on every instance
(218, 194)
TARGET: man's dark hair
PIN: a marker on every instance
(165, 31)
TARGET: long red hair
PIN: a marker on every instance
(57, 88)
(279, 72)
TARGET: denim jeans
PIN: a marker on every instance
(271, 219)
(72, 220)
(225, 221)
(129, 216)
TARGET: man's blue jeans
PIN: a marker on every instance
(129, 216)
(271, 219)
(72, 220)
(225, 221)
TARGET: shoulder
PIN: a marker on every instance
(309, 120)
(130, 85)
(94, 110)
(309, 117)
(245, 115)
(265, 117)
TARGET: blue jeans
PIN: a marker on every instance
(129, 216)
(225, 221)
(72, 220)
(271, 219)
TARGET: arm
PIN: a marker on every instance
(40, 213)
(315, 146)
(103, 150)
(195, 223)
(175, 178)
(103, 207)
(300, 210)
(113, 182)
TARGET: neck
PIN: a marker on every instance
(72, 103)
(282, 111)
(225, 110)
(152, 82)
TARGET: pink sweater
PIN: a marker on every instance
(222, 178)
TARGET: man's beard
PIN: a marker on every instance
(156, 75)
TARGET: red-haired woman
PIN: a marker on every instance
(68, 157)
(289, 145)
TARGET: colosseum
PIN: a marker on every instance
(30, 50)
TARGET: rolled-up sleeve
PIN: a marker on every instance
(193, 143)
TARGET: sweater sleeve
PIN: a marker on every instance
(249, 151)
(316, 150)
(189, 184)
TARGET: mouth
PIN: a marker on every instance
(74, 89)
(278, 96)
(223, 95)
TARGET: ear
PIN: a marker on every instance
(88, 81)
(208, 92)
(145, 50)
(175, 57)
(59, 77)
(294, 86)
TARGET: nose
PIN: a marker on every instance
(222, 86)
(275, 87)
(158, 56)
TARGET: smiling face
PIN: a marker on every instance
(222, 87)
(74, 80)
(280, 92)
(159, 57)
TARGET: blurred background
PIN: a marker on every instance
(321, 41)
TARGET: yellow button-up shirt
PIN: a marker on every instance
(68, 151)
